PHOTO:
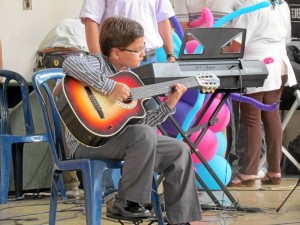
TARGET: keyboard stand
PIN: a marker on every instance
(195, 127)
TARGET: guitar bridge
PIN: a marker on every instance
(95, 102)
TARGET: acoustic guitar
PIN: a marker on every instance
(90, 116)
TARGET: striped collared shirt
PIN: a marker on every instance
(95, 72)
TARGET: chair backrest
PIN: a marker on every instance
(41, 84)
(10, 78)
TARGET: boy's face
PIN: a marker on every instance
(133, 54)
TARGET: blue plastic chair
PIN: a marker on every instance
(92, 170)
(11, 145)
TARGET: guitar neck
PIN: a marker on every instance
(208, 84)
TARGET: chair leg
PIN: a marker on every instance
(5, 162)
(156, 203)
(62, 188)
(92, 183)
(53, 198)
(17, 156)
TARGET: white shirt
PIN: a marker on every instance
(187, 10)
(147, 12)
(268, 31)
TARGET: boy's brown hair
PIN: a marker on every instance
(118, 32)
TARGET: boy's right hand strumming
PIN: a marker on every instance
(120, 92)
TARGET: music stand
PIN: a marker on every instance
(212, 44)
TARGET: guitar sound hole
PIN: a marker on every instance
(128, 100)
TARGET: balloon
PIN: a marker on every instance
(160, 52)
(222, 143)
(264, 107)
(191, 96)
(191, 46)
(268, 60)
(186, 110)
(182, 109)
(239, 12)
(198, 50)
(191, 116)
(206, 17)
(161, 55)
(221, 168)
(177, 27)
(222, 117)
(207, 146)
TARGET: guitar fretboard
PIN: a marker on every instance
(165, 87)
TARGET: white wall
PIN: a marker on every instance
(21, 31)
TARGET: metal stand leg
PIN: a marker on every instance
(277, 210)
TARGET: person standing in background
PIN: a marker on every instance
(268, 32)
(189, 10)
(154, 16)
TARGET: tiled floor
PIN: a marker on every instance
(33, 209)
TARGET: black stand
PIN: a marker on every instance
(235, 205)
(277, 210)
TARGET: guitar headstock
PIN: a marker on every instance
(208, 82)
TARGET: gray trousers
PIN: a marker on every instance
(144, 152)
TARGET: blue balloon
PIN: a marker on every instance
(161, 55)
(160, 52)
(190, 118)
(222, 143)
(221, 168)
(225, 19)
(198, 50)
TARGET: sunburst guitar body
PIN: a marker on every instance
(91, 116)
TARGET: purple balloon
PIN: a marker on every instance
(177, 27)
(264, 107)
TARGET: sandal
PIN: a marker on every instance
(271, 180)
(238, 181)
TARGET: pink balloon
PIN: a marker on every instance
(222, 117)
(268, 60)
(191, 46)
(207, 147)
(206, 17)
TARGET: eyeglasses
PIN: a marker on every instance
(138, 50)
